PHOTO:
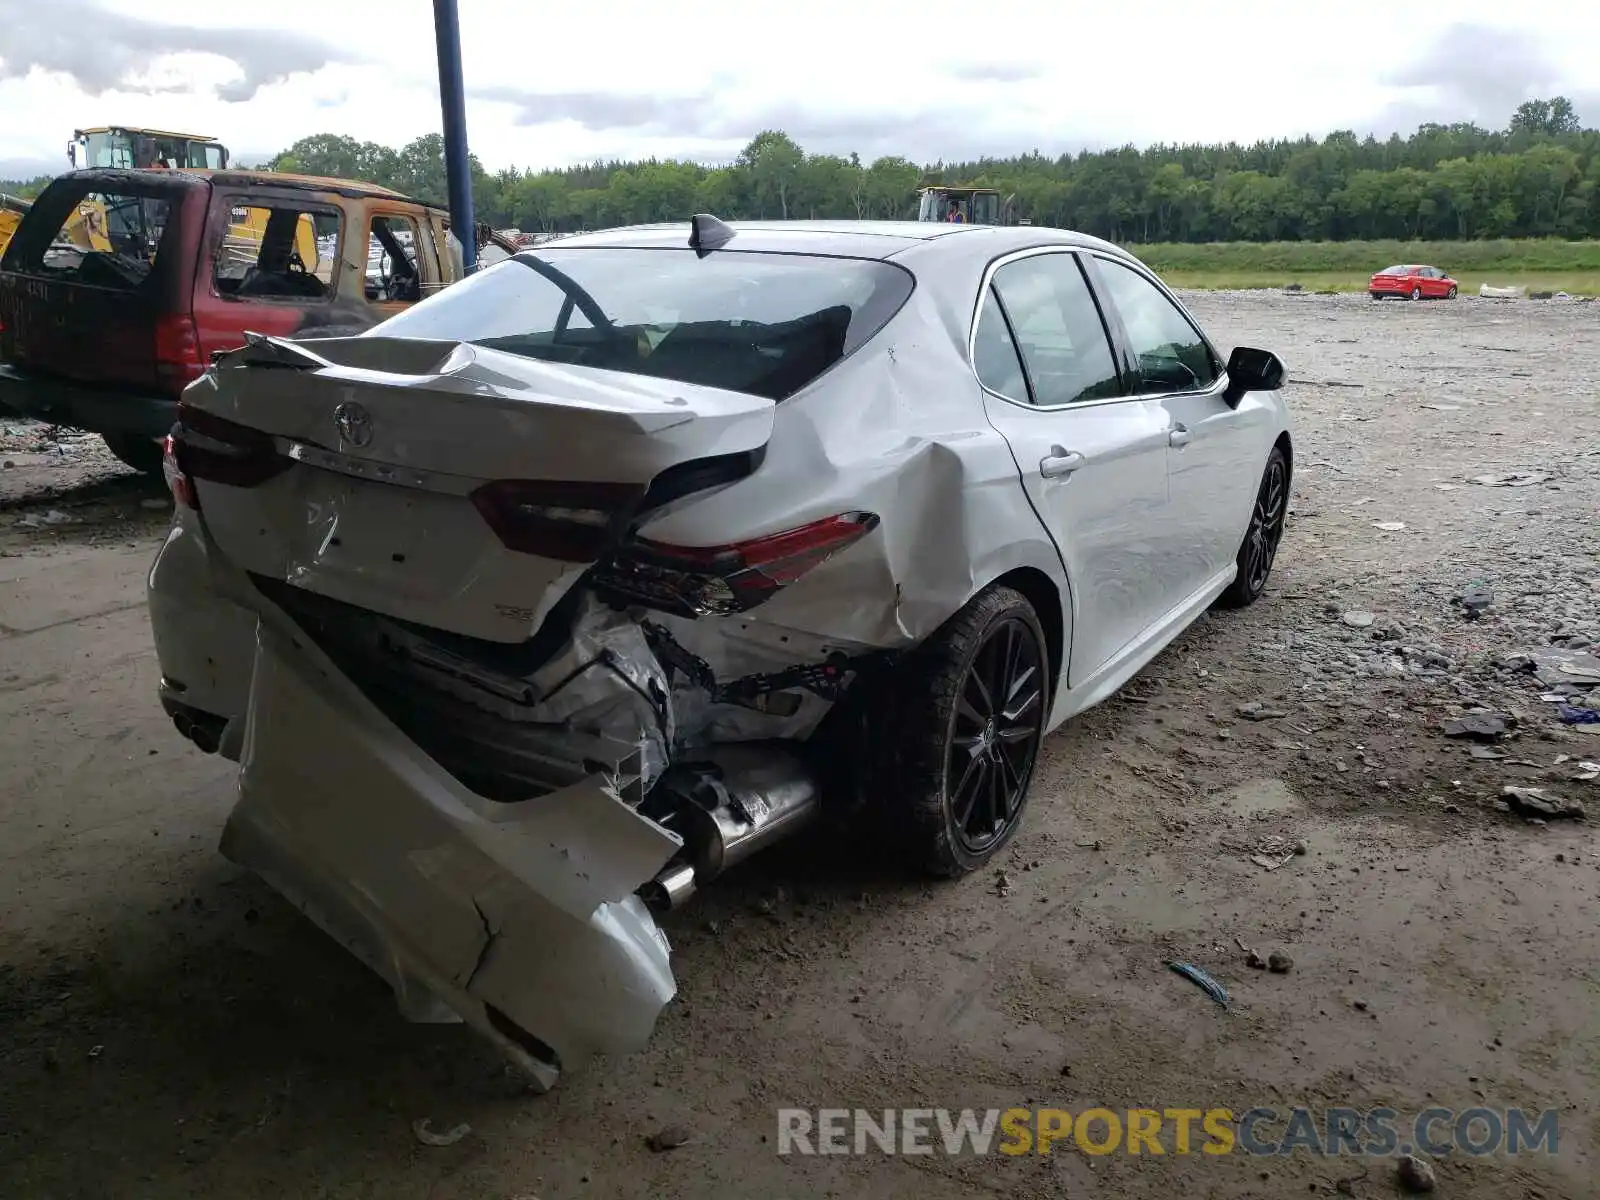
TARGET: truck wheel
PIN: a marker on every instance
(141, 453)
(972, 705)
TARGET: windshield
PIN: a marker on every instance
(766, 324)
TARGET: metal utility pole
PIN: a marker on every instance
(453, 99)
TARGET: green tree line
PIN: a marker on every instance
(1538, 177)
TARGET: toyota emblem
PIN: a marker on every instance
(354, 423)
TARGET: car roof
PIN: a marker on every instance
(240, 178)
(845, 239)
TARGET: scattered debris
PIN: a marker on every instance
(1488, 752)
(1484, 726)
(1512, 480)
(669, 1138)
(1358, 618)
(1002, 884)
(1360, 1005)
(1415, 1174)
(1195, 975)
(425, 1134)
(1254, 959)
(1389, 526)
(1279, 963)
(1579, 716)
(1531, 801)
(1474, 599)
(40, 520)
(1255, 711)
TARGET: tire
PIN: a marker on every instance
(1259, 549)
(959, 760)
(1451, 294)
(1416, 293)
(141, 453)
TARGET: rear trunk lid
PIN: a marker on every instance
(95, 286)
(453, 486)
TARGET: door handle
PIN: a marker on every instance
(1059, 462)
(1178, 435)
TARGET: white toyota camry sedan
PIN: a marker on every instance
(538, 605)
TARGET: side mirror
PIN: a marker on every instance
(1252, 371)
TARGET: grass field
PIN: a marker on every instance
(1544, 265)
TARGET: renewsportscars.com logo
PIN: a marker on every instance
(1373, 1132)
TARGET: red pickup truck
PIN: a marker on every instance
(120, 285)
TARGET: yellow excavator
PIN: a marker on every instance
(11, 210)
(970, 205)
(125, 146)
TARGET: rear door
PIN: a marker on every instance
(272, 266)
(100, 259)
(1215, 452)
(1092, 459)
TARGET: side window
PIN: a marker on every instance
(994, 354)
(1171, 354)
(1058, 329)
(392, 272)
(277, 252)
(107, 240)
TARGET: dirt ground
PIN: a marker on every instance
(169, 1027)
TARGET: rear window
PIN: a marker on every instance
(1394, 271)
(107, 239)
(765, 324)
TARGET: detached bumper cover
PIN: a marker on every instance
(520, 919)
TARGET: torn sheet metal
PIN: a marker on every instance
(520, 918)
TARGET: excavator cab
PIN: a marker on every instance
(970, 205)
(122, 146)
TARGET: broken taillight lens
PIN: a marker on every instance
(719, 580)
(570, 522)
(216, 450)
(178, 483)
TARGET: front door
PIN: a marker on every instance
(1092, 460)
(1213, 464)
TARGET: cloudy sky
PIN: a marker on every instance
(929, 80)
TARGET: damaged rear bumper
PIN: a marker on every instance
(521, 919)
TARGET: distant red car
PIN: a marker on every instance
(1412, 283)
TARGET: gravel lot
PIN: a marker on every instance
(169, 1027)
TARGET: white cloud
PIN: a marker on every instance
(567, 84)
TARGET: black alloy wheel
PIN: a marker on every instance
(1259, 550)
(961, 722)
(994, 735)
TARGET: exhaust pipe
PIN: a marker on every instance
(669, 889)
(753, 795)
(726, 808)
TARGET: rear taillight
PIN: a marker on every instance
(570, 522)
(179, 484)
(177, 350)
(211, 448)
(718, 580)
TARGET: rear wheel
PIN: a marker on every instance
(141, 453)
(1416, 293)
(1260, 547)
(973, 702)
